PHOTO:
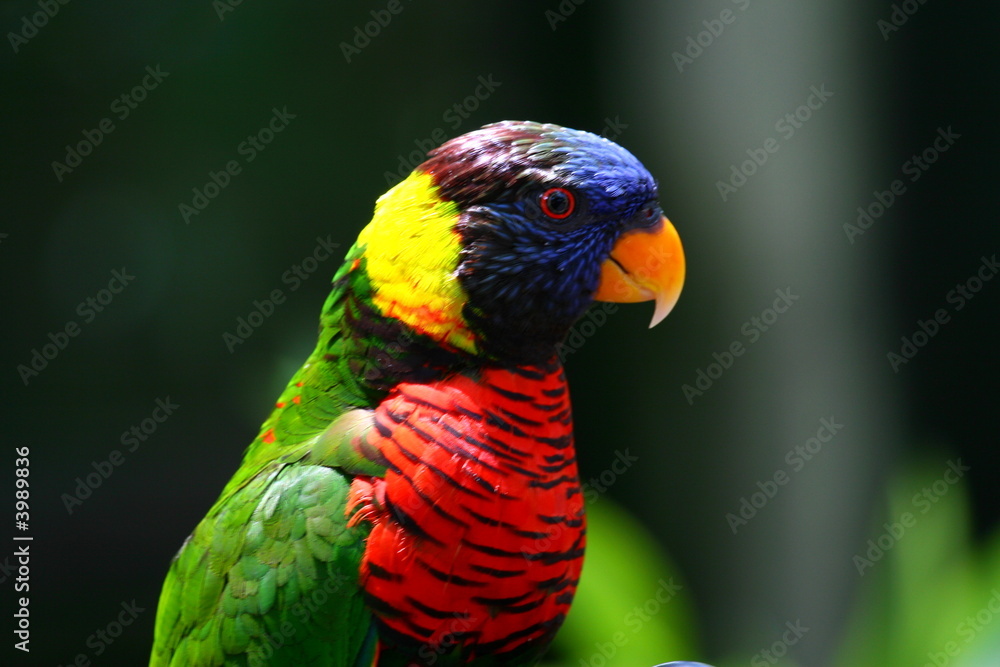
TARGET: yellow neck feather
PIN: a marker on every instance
(411, 252)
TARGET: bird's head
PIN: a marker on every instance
(504, 236)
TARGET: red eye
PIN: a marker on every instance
(558, 203)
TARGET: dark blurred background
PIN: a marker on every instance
(697, 91)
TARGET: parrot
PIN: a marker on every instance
(413, 498)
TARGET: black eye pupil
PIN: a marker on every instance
(558, 203)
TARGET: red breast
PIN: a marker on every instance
(478, 526)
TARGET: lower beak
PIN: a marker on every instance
(645, 264)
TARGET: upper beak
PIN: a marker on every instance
(645, 264)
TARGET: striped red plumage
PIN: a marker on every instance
(478, 527)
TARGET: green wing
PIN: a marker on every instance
(269, 577)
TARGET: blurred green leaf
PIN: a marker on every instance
(631, 608)
(926, 599)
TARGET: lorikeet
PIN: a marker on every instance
(413, 499)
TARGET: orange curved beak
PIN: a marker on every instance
(645, 264)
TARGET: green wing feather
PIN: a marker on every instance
(269, 578)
